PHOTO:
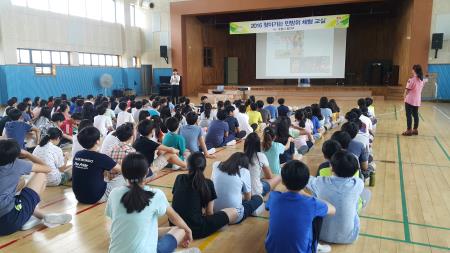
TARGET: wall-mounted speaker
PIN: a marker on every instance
(437, 40)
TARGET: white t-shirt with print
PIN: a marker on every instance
(124, 117)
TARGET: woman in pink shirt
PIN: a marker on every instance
(413, 94)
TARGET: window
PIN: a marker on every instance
(136, 62)
(94, 9)
(59, 6)
(207, 57)
(98, 60)
(38, 4)
(109, 11)
(22, 3)
(77, 8)
(132, 15)
(23, 56)
(33, 56)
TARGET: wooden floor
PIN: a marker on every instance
(409, 212)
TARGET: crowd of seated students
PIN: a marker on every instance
(119, 144)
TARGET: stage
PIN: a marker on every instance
(291, 92)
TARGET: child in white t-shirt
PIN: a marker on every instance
(124, 116)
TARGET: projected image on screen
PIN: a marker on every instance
(296, 54)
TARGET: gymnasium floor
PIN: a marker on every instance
(409, 211)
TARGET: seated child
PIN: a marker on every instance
(193, 199)
(57, 121)
(217, 135)
(103, 122)
(242, 119)
(283, 136)
(69, 126)
(262, 179)
(17, 129)
(76, 145)
(282, 109)
(123, 116)
(147, 146)
(265, 114)
(271, 108)
(154, 110)
(343, 191)
(357, 148)
(254, 116)
(18, 204)
(207, 116)
(88, 166)
(173, 139)
(232, 182)
(233, 124)
(53, 156)
(329, 148)
(293, 229)
(125, 133)
(129, 207)
(273, 149)
(326, 113)
(193, 135)
(305, 141)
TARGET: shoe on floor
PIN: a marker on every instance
(231, 143)
(415, 132)
(57, 218)
(323, 248)
(175, 167)
(407, 133)
(189, 250)
(31, 223)
(211, 151)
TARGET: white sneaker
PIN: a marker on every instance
(211, 151)
(175, 167)
(323, 248)
(57, 218)
(259, 210)
(189, 250)
(31, 223)
(231, 143)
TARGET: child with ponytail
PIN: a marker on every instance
(273, 149)
(134, 210)
(52, 155)
(193, 199)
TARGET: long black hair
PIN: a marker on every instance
(88, 111)
(53, 133)
(268, 138)
(45, 112)
(207, 111)
(134, 169)
(300, 117)
(234, 163)
(252, 146)
(196, 163)
(316, 111)
(418, 70)
(282, 125)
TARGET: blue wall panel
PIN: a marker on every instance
(157, 72)
(22, 82)
(3, 87)
(443, 80)
(132, 79)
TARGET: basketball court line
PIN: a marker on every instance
(442, 147)
(407, 233)
(443, 113)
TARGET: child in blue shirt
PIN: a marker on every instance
(174, 140)
(294, 214)
(18, 201)
(271, 108)
(193, 135)
(18, 129)
(343, 191)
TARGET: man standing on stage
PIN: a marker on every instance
(175, 82)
